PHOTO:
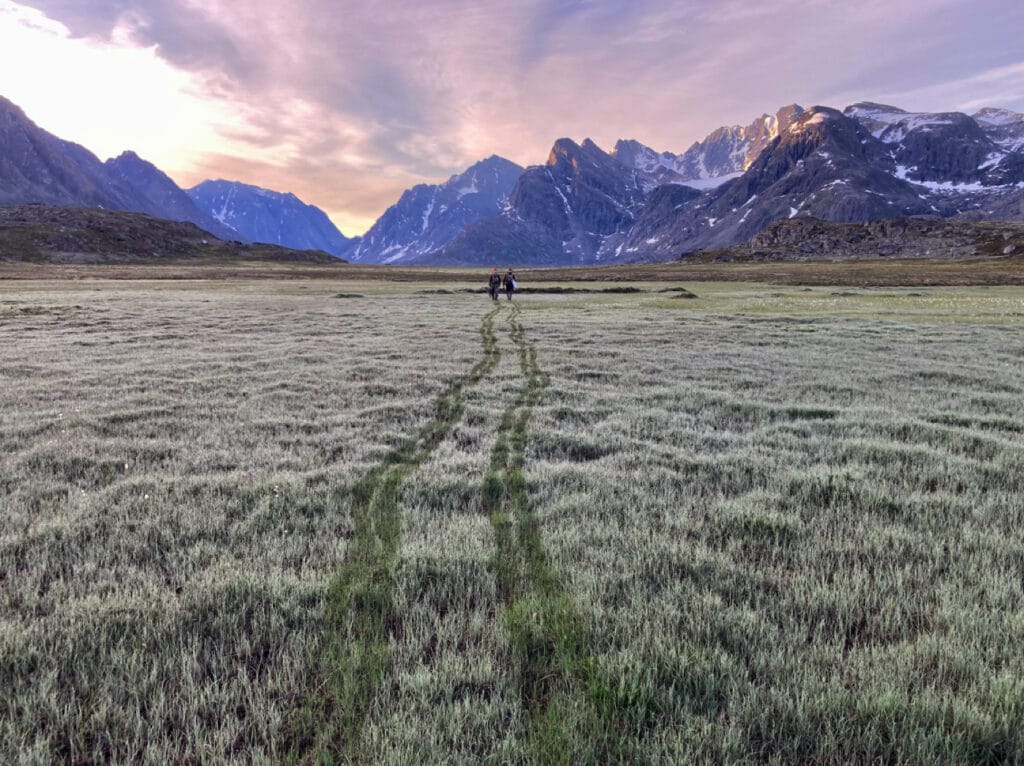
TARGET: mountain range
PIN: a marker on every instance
(585, 205)
(867, 162)
(38, 167)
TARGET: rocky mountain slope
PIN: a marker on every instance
(262, 215)
(1004, 127)
(816, 240)
(70, 235)
(725, 153)
(160, 197)
(36, 166)
(567, 211)
(867, 163)
(427, 217)
(825, 166)
(947, 148)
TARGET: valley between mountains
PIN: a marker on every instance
(586, 206)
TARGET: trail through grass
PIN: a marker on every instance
(572, 713)
(360, 609)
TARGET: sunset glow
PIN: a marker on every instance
(348, 104)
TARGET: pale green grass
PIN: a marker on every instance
(788, 523)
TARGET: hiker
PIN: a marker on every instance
(509, 283)
(493, 284)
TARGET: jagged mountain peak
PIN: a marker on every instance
(724, 154)
(564, 149)
(784, 117)
(238, 186)
(574, 207)
(129, 155)
(891, 124)
(481, 172)
(810, 120)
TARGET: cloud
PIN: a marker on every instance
(363, 97)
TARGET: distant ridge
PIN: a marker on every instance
(263, 215)
(38, 167)
(70, 235)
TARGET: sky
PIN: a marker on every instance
(346, 104)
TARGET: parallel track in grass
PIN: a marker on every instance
(573, 712)
(361, 615)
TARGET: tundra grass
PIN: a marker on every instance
(361, 615)
(788, 535)
(570, 711)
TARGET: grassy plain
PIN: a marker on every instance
(254, 521)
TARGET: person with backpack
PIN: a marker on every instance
(493, 284)
(509, 283)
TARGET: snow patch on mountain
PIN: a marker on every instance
(703, 184)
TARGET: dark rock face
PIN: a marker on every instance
(946, 147)
(565, 211)
(36, 166)
(734, 149)
(870, 162)
(657, 168)
(825, 165)
(428, 217)
(160, 196)
(1004, 127)
(962, 165)
(261, 215)
(653, 229)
